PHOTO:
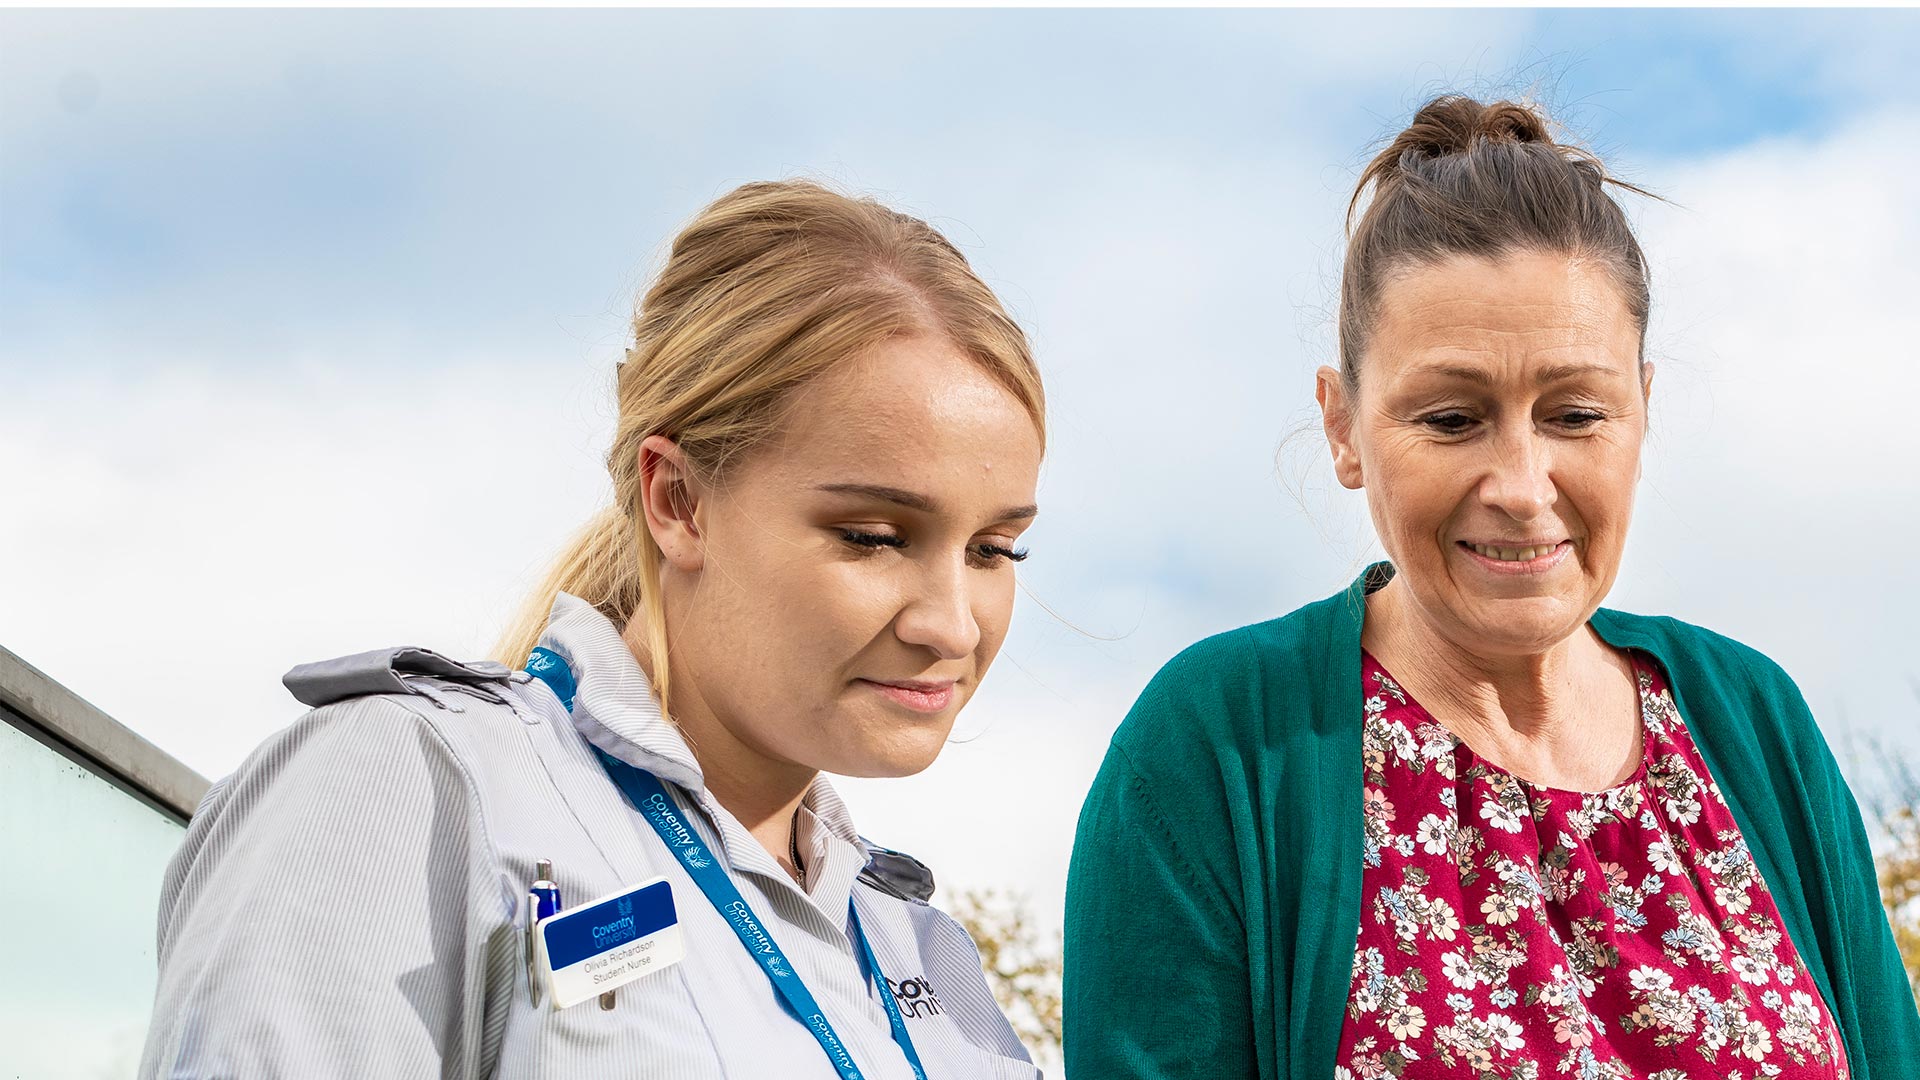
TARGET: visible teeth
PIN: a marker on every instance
(1524, 554)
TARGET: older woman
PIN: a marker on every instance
(1459, 820)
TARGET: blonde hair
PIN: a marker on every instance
(769, 286)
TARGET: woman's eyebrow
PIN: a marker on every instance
(1551, 373)
(913, 500)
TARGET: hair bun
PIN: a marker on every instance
(1508, 121)
(1453, 123)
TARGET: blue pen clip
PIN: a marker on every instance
(544, 893)
(543, 900)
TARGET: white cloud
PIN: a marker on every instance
(179, 539)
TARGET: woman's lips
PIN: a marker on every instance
(920, 697)
(1498, 563)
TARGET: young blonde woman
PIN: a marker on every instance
(624, 860)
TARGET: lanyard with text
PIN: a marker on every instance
(650, 798)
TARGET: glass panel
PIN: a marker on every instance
(86, 859)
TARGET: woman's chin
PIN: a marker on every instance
(881, 766)
(883, 747)
(1521, 626)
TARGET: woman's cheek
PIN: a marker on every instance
(855, 601)
(1407, 517)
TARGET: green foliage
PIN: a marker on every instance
(1022, 967)
(1900, 881)
(1895, 803)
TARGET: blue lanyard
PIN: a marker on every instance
(648, 796)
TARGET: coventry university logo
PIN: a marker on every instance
(778, 966)
(915, 997)
(625, 906)
(539, 662)
(694, 858)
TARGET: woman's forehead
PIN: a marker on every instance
(1472, 315)
(902, 383)
(915, 414)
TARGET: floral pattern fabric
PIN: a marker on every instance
(1515, 932)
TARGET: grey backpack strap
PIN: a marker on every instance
(897, 873)
(386, 671)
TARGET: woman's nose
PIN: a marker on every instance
(1518, 481)
(941, 618)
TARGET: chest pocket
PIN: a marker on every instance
(654, 1029)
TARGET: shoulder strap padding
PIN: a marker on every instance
(897, 873)
(384, 671)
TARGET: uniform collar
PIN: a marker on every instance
(615, 710)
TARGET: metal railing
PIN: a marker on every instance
(56, 716)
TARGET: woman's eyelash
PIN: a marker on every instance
(872, 540)
(1447, 421)
(1455, 422)
(986, 552)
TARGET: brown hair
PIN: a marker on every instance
(769, 286)
(1467, 178)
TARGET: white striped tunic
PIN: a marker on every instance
(349, 902)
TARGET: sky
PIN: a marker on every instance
(308, 318)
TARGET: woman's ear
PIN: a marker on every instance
(670, 502)
(1336, 417)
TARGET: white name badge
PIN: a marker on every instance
(609, 943)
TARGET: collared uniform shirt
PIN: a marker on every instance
(350, 901)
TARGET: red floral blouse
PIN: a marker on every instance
(1516, 932)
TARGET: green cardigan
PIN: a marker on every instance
(1214, 899)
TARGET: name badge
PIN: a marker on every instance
(604, 945)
